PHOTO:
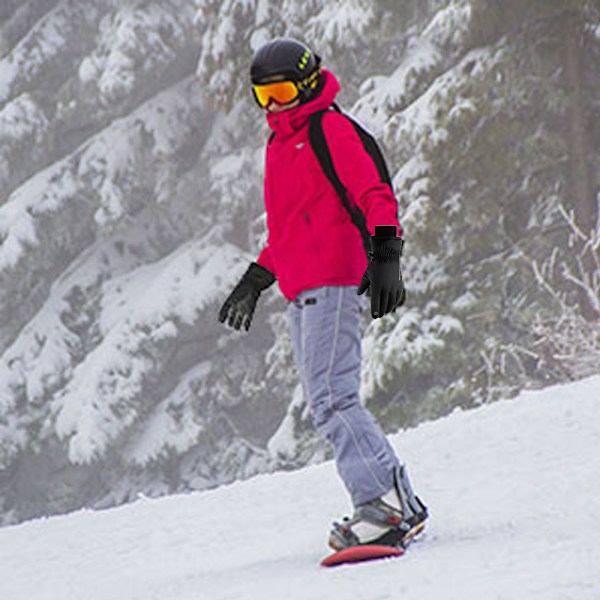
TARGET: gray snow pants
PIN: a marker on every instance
(324, 326)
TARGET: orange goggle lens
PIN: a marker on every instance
(281, 91)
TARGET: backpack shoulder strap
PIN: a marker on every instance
(372, 148)
(370, 144)
(321, 150)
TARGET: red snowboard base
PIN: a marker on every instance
(360, 554)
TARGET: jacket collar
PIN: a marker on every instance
(289, 121)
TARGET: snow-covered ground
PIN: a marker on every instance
(513, 488)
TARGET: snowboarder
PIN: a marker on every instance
(316, 254)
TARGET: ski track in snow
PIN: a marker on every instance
(513, 490)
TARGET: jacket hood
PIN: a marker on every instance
(290, 121)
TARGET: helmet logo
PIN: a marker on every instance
(304, 60)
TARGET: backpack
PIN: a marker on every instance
(319, 145)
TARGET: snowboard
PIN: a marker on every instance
(364, 553)
(360, 554)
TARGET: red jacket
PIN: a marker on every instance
(312, 241)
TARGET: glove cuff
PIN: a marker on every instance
(385, 231)
(386, 254)
(259, 277)
(388, 249)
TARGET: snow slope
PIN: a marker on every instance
(513, 487)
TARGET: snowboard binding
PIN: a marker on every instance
(394, 520)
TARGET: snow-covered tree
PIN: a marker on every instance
(131, 171)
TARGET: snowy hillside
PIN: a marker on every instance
(513, 489)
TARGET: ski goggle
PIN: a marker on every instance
(283, 92)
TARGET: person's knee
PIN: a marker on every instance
(322, 413)
(345, 400)
(323, 410)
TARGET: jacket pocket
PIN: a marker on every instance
(311, 233)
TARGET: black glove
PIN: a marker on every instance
(240, 305)
(383, 272)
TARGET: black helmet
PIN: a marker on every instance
(286, 56)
